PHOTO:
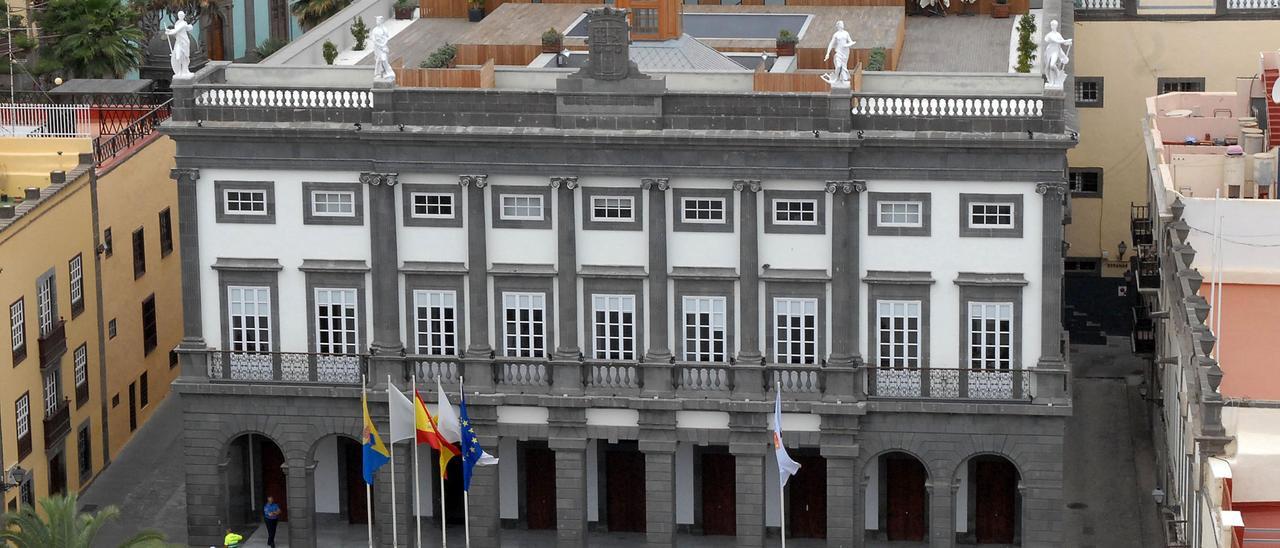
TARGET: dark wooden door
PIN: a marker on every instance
(357, 504)
(719, 501)
(905, 499)
(57, 475)
(213, 36)
(452, 491)
(273, 479)
(807, 491)
(624, 488)
(540, 487)
(996, 483)
(133, 406)
(278, 12)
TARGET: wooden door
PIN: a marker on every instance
(357, 505)
(273, 478)
(213, 37)
(278, 15)
(996, 482)
(807, 491)
(624, 490)
(719, 501)
(133, 406)
(57, 474)
(540, 487)
(452, 491)
(905, 499)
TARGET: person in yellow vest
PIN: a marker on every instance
(232, 540)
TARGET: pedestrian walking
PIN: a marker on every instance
(271, 514)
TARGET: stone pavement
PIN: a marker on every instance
(956, 43)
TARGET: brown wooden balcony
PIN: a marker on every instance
(53, 344)
(57, 425)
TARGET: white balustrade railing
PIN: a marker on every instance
(1100, 4)
(38, 120)
(428, 369)
(947, 107)
(701, 377)
(795, 379)
(523, 373)
(1253, 4)
(612, 375)
(285, 98)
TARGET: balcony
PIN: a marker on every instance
(53, 344)
(292, 367)
(1140, 224)
(1143, 336)
(948, 384)
(57, 425)
(1145, 266)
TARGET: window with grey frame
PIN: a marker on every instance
(245, 202)
(795, 329)
(795, 211)
(1088, 91)
(613, 327)
(522, 207)
(524, 324)
(702, 210)
(436, 322)
(249, 318)
(990, 336)
(705, 329)
(612, 209)
(1085, 181)
(337, 321)
(898, 334)
(433, 205)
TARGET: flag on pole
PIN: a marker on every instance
(402, 415)
(375, 453)
(472, 453)
(448, 428)
(786, 466)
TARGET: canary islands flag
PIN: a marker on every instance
(375, 453)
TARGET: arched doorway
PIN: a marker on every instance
(339, 481)
(255, 471)
(995, 505)
(903, 501)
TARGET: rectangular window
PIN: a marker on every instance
(249, 318)
(990, 215)
(166, 233)
(337, 321)
(436, 316)
(644, 21)
(111, 328)
(705, 332)
(27, 492)
(76, 274)
(612, 209)
(52, 391)
(614, 318)
(898, 334)
(522, 207)
(139, 254)
(899, 214)
(1085, 181)
(106, 241)
(524, 324)
(149, 337)
(325, 203)
(795, 330)
(991, 336)
(81, 361)
(84, 458)
(795, 212)
(46, 302)
(432, 205)
(18, 329)
(144, 392)
(1088, 92)
(702, 210)
(1172, 85)
(244, 202)
(22, 413)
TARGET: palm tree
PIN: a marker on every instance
(311, 12)
(91, 38)
(62, 526)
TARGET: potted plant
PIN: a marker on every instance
(1000, 9)
(786, 43)
(403, 9)
(442, 57)
(552, 41)
(330, 52)
(475, 10)
(875, 60)
(360, 33)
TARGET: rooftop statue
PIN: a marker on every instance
(180, 47)
(840, 42)
(382, 51)
(1055, 57)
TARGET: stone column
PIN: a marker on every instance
(942, 512)
(748, 369)
(840, 450)
(748, 435)
(483, 497)
(567, 437)
(301, 493)
(194, 361)
(658, 443)
(843, 379)
(1051, 370)
(566, 364)
(386, 348)
(383, 487)
(657, 358)
(477, 363)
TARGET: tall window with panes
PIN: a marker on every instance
(705, 329)
(150, 336)
(990, 336)
(46, 302)
(75, 272)
(337, 321)
(436, 321)
(52, 391)
(22, 423)
(614, 327)
(80, 360)
(249, 318)
(18, 329)
(166, 233)
(795, 335)
(898, 334)
(139, 254)
(524, 325)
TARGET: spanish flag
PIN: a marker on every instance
(375, 453)
(425, 424)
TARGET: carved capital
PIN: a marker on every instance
(569, 183)
(660, 184)
(180, 174)
(1057, 189)
(746, 185)
(373, 178)
(478, 181)
(847, 187)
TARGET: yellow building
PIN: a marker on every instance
(1123, 53)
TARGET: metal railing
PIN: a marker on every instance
(107, 147)
(18, 120)
(295, 367)
(948, 383)
(1146, 267)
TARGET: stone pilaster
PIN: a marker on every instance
(748, 446)
(942, 512)
(301, 492)
(1051, 369)
(844, 491)
(658, 443)
(477, 366)
(483, 497)
(194, 362)
(567, 437)
(748, 370)
(843, 380)
(657, 358)
(386, 348)
(567, 361)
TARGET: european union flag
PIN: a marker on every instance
(472, 453)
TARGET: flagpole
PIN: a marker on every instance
(782, 495)
(395, 533)
(440, 401)
(466, 505)
(368, 489)
(417, 495)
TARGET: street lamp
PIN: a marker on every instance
(1122, 248)
(11, 478)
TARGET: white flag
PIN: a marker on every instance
(447, 423)
(402, 424)
(786, 466)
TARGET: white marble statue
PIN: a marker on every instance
(382, 51)
(1055, 57)
(840, 42)
(180, 47)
